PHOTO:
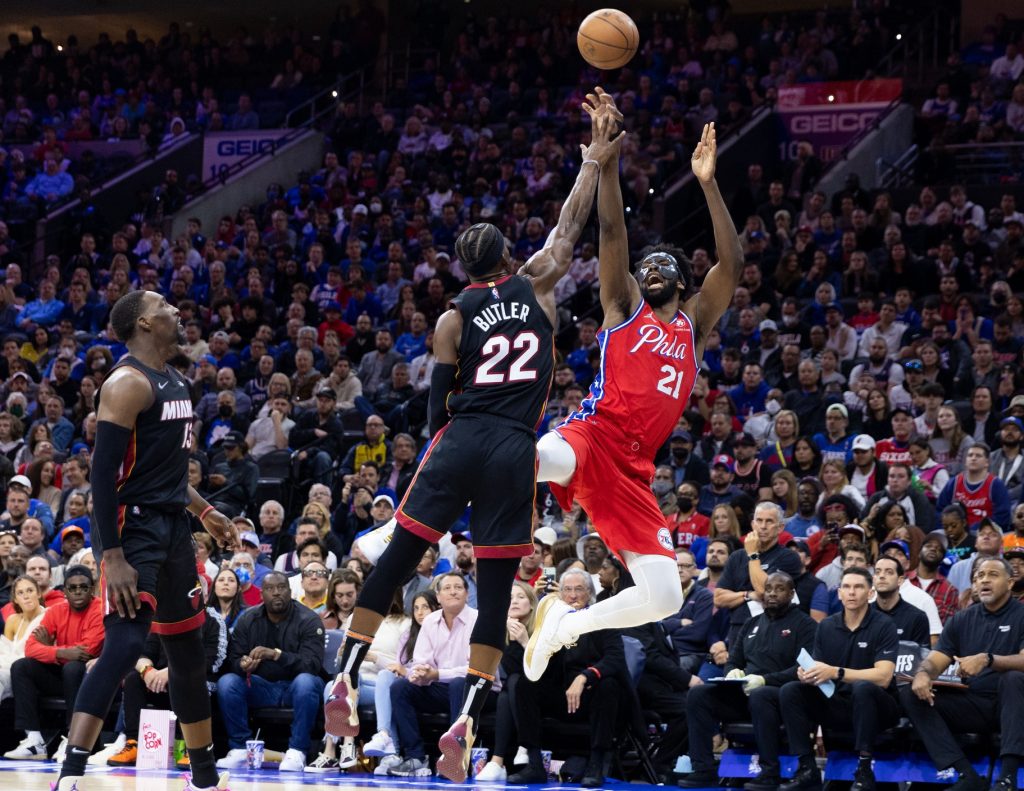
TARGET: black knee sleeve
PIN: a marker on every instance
(123, 642)
(494, 579)
(186, 675)
(394, 568)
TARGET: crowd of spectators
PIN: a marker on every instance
(53, 95)
(856, 423)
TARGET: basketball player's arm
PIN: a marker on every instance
(551, 263)
(619, 292)
(442, 379)
(214, 522)
(720, 284)
(125, 395)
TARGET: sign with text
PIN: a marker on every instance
(221, 150)
(830, 114)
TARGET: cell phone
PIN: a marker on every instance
(549, 573)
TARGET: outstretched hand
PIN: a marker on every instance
(223, 531)
(705, 155)
(605, 118)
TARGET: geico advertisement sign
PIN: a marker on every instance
(829, 121)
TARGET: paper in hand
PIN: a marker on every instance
(807, 662)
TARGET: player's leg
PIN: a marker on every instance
(434, 501)
(122, 645)
(556, 459)
(655, 595)
(502, 521)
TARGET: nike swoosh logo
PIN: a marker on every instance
(162, 385)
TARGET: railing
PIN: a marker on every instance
(892, 175)
(985, 163)
(320, 104)
(918, 49)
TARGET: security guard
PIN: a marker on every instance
(764, 655)
(986, 640)
(856, 651)
(911, 622)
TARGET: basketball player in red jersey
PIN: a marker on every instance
(602, 456)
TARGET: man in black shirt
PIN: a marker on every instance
(911, 623)
(855, 650)
(765, 656)
(986, 641)
(747, 569)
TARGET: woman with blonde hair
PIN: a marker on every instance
(778, 453)
(833, 477)
(522, 611)
(949, 441)
(319, 512)
(784, 491)
(279, 385)
(28, 612)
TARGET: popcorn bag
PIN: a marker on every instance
(156, 739)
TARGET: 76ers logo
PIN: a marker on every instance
(654, 337)
(665, 538)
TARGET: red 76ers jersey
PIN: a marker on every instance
(648, 368)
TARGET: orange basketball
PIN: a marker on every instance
(608, 39)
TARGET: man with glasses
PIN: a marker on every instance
(275, 658)
(314, 586)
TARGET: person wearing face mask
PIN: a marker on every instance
(686, 466)
(688, 524)
(664, 490)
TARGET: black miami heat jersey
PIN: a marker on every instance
(154, 471)
(506, 354)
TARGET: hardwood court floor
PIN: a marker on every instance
(19, 776)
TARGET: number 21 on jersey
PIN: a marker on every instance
(671, 382)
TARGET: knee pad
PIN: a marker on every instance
(556, 459)
(186, 675)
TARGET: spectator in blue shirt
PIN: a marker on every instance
(43, 311)
(363, 302)
(413, 343)
(749, 395)
(52, 184)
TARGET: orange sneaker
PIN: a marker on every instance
(183, 763)
(128, 755)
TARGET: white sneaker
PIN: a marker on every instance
(347, 754)
(62, 750)
(544, 642)
(29, 749)
(381, 744)
(109, 750)
(235, 759)
(294, 761)
(491, 773)
(522, 758)
(386, 763)
(411, 767)
(376, 541)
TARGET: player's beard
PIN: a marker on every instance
(658, 299)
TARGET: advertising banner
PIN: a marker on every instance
(221, 150)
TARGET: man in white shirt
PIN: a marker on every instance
(886, 328)
(270, 433)
(1008, 66)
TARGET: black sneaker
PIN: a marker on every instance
(1003, 784)
(864, 777)
(699, 780)
(763, 782)
(806, 778)
(969, 782)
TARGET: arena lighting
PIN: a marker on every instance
(650, 191)
(831, 98)
(628, 210)
(334, 94)
(60, 48)
(899, 36)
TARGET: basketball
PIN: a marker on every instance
(608, 39)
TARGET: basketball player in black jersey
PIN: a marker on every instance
(495, 354)
(148, 573)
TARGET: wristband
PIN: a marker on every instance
(145, 670)
(205, 512)
(277, 654)
(991, 659)
(590, 162)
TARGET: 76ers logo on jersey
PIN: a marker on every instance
(665, 538)
(655, 339)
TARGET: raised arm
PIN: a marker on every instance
(550, 264)
(707, 307)
(619, 292)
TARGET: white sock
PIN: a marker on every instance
(35, 736)
(656, 595)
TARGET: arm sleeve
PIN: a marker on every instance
(442, 381)
(111, 444)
